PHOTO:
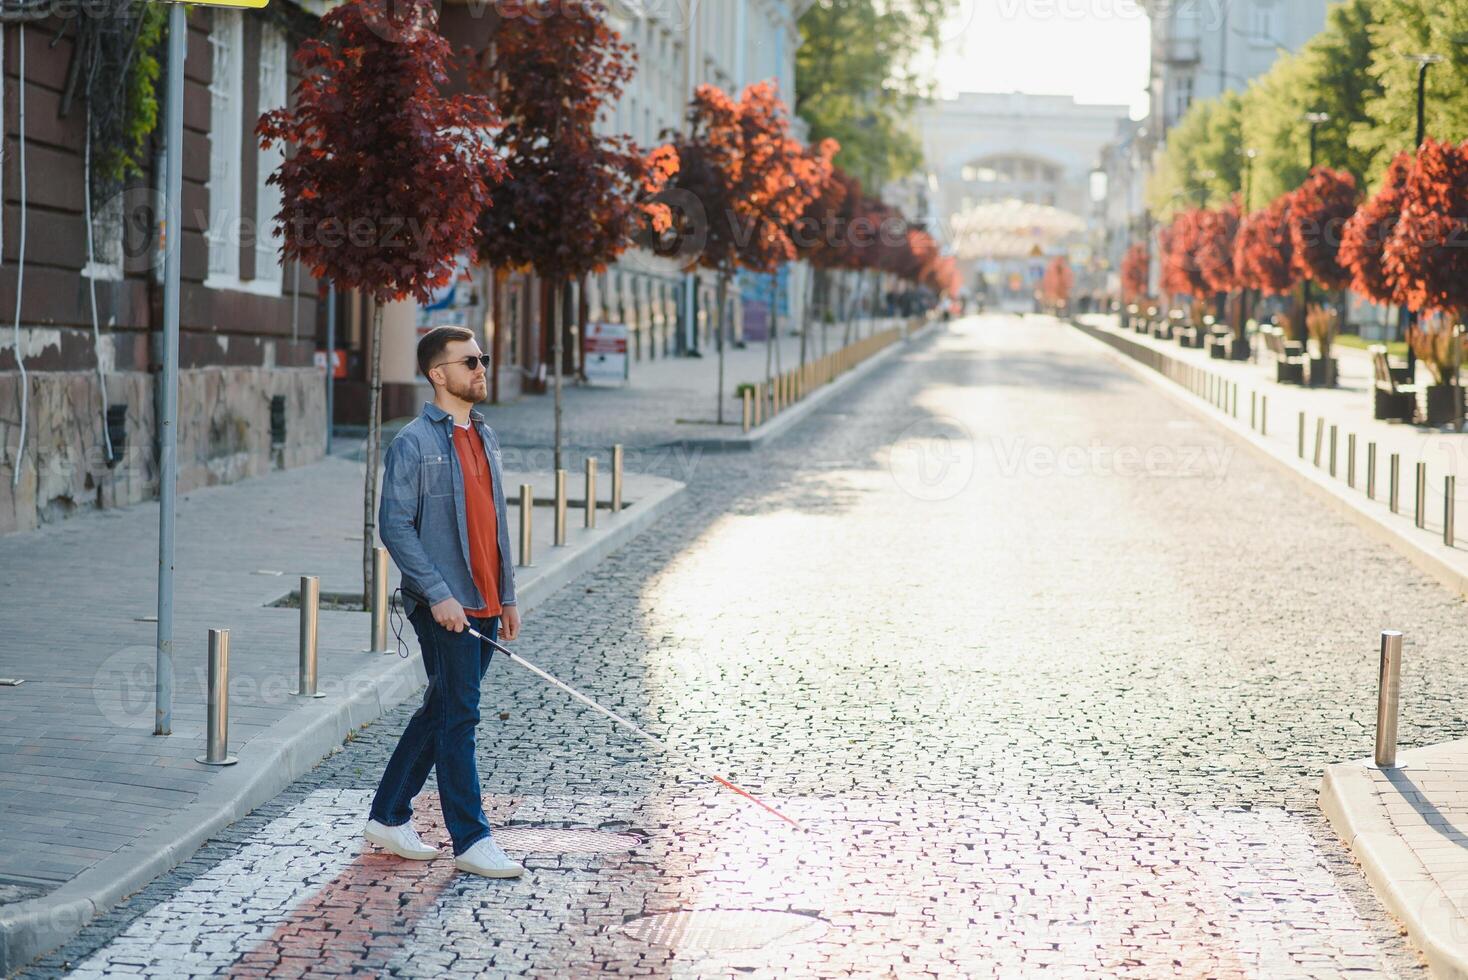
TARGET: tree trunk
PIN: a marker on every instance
(374, 437)
(557, 306)
(775, 321)
(770, 335)
(805, 309)
(722, 295)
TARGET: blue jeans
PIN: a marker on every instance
(441, 732)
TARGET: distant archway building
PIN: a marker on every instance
(990, 153)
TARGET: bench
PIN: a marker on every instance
(1394, 399)
(1289, 356)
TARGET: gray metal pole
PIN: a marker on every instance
(527, 510)
(591, 491)
(310, 617)
(168, 424)
(1371, 471)
(1351, 460)
(1449, 491)
(379, 600)
(1388, 697)
(560, 508)
(1420, 510)
(617, 479)
(216, 749)
(1394, 482)
(330, 363)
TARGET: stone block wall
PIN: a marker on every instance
(224, 435)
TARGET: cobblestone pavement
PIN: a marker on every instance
(1046, 667)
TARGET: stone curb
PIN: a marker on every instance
(1353, 803)
(1348, 796)
(780, 424)
(271, 761)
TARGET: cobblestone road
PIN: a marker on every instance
(1046, 666)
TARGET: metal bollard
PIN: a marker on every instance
(1448, 490)
(1235, 390)
(527, 509)
(560, 508)
(1334, 440)
(748, 409)
(1302, 435)
(617, 479)
(1253, 409)
(1388, 699)
(759, 404)
(310, 617)
(1264, 415)
(216, 749)
(1319, 439)
(1371, 471)
(1394, 484)
(379, 600)
(1420, 509)
(591, 491)
(1351, 460)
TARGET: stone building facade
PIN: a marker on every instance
(80, 353)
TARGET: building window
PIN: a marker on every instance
(1261, 22)
(226, 85)
(267, 196)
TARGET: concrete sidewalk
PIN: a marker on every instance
(668, 404)
(92, 804)
(1408, 827)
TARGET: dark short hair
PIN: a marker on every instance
(431, 344)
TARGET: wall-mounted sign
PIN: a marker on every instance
(604, 352)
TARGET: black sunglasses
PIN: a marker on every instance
(469, 362)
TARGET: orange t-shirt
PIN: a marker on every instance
(484, 552)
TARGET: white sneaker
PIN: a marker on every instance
(402, 840)
(484, 857)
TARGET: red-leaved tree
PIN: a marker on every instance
(1180, 270)
(1135, 270)
(574, 199)
(1056, 284)
(1319, 210)
(1363, 241)
(821, 238)
(385, 177)
(1425, 254)
(1263, 253)
(742, 182)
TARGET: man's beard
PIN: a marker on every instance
(469, 392)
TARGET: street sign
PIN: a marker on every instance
(604, 349)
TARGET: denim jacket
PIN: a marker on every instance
(422, 519)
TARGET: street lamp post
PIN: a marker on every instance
(1405, 317)
(1314, 119)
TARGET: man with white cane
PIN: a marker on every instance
(442, 519)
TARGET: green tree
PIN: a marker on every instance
(1330, 74)
(1202, 164)
(1406, 28)
(859, 76)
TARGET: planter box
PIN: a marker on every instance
(1444, 404)
(1323, 372)
(1239, 349)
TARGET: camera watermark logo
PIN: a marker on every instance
(933, 459)
(122, 687)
